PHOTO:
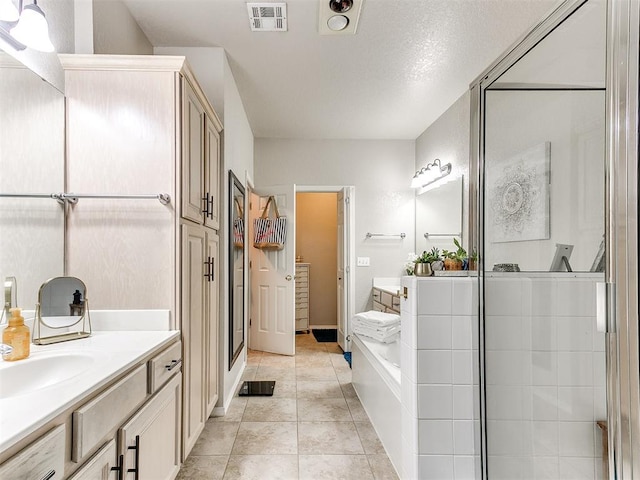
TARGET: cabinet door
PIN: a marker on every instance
(193, 293)
(193, 194)
(150, 441)
(212, 325)
(100, 466)
(212, 173)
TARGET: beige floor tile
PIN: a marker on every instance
(382, 467)
(323, 410)
(333, 348)
(203, 468)
(357, 410)
(270, 409)
(348, 391)
(315, 373)
(285, 389)
(249, 372)
(319, 359)
(281, 361)
(309, 389)
(266, 438)
(344, 376)
(234, 412)
(337, 360)
(328, 438)
(216, 439)
(275, 373)
(262, 467)
(369, 438)
(334, 467)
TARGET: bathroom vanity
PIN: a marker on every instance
(93, 408)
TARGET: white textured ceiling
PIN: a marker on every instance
(409, 61)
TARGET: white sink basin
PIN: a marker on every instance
(36, 373)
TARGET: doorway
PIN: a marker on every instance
(272, 309)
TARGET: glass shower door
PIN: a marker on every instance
(543, 254)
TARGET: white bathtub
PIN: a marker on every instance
(376, 379)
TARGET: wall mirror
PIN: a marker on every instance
(62, 311)
(439, 216)
(236, 267)
(32, 131)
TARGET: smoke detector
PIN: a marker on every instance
(267, 17)
(339, 17)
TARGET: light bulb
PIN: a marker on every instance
(32, 29)
(8, 11)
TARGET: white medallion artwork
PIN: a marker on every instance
(518, 191)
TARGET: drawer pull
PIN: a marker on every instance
(50, 474)
(119, 467)
(172, 365)
(136, 469)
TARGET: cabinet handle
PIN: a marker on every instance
(210, 206)
(119, 467)
(50, 474)
(207, 264)
(172, 365)
(210, 264)
(136, 469)
(206, 201)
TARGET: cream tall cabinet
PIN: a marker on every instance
(141, 125)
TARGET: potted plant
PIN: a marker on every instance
(453, 260)
(424, 261)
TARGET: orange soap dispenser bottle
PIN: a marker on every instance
(17, 336)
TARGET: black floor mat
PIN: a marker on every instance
(326, 335)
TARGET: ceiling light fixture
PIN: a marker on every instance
(337, 23)
(8, 11)
(32, 28)
(430, 174)
(338, 17)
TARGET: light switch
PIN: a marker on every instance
(363, 261)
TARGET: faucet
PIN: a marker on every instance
(5, 349)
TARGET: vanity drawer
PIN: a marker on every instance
(96, 419)
(99, 467)
(385, 298)
(378, 307)
(164, 366)
(42, 460)
(376, 295)
(302, 313)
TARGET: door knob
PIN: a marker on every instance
(288, 278)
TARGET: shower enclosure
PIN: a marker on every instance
(553, 397)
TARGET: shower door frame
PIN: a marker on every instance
(621, 219)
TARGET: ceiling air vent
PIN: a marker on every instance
(268, 17)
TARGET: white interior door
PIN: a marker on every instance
(344, 280)
(272, 321)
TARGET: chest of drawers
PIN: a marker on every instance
(302, 296)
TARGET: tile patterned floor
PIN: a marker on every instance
(313, 427)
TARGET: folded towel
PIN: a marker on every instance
(381, 339)
(378, 328)
(385, 336)
(378, 318)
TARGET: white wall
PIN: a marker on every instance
(381, 172)
(214, 74)
(573, 122)
(447, 139)
(116, 31)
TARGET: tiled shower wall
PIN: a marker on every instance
(545, 376)
(440, 394)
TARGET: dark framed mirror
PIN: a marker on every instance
(236, 267)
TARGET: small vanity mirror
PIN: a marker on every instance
(62, 311)
(439, 216)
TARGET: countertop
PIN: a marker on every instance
(111, 352)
